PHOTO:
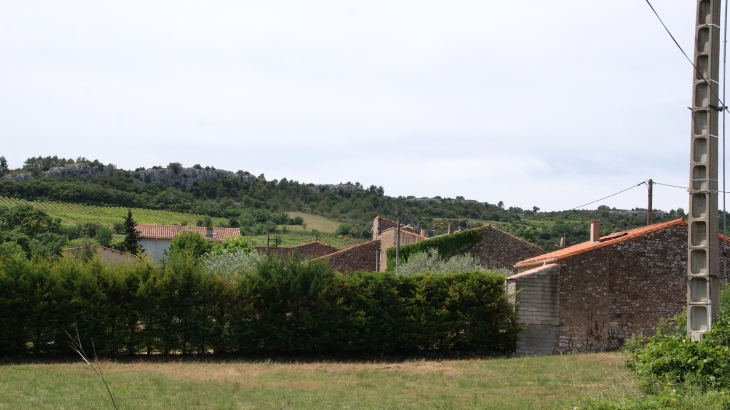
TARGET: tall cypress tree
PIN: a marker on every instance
(132, 236)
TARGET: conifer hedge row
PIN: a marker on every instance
(283, 308)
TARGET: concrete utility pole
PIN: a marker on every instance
(649, 208)
(397, 245)
(703, 260)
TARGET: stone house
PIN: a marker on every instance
(364, 257)
(499, 249)
(496, 249)
(155, 239)
(594, 295)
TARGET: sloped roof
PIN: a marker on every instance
(604, 241)
(100, 247)
(315, 242)
(346, 250)
(170, 231)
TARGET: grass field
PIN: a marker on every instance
(319, 223)
(515, 383)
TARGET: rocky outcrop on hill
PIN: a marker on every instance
(188, 176)
(81, 168)
(25, 176)
(335, 187)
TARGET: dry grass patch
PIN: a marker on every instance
(523, 382)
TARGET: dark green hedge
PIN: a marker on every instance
(284, 308)
(445, 246)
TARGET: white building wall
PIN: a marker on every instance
(155, 248)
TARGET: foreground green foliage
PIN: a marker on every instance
(281, 308)
(676, 373)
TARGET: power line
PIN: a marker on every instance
(684, 187)
(619, 192)
(673, 186)
(722, 104)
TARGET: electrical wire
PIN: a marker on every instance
(619, 192)
(673, 186)
(722, 104)
(685, 188)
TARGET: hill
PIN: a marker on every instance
(259, 205)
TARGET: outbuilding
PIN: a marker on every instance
(595, 295)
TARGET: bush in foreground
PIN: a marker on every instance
(675, 373)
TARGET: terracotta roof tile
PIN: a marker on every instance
(607, 240)
(170, 231)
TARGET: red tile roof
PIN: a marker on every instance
(170, 231)
(604, 241)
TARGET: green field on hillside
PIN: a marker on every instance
(297, 237)
(107, 215)
(505, 383)
(319, 223)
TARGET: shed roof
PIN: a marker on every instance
(604, 241)
(170, 231)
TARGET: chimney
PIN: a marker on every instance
(209, 232)
(451, 226)
(595, 230)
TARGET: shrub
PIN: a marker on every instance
(104, 236)
(445, 246)
(427, 262)
(185, 306)
(232, 264)
(354, 230)
(233, 244)
(189, 243)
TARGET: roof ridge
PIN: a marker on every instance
(346, 249)
(515, 237)
(588, 246)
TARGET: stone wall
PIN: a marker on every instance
(538, 304)
(388, 240)
(359, 257)
(381, 224)
(500, 250)
(309, 250)
(314, 249)
(610, 293)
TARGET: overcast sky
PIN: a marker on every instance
(534, 103)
